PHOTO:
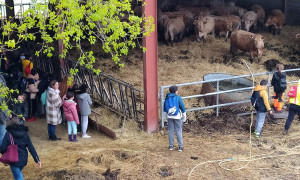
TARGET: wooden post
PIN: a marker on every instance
(150, 72)
(10, 10)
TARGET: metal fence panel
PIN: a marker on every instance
(217, 93)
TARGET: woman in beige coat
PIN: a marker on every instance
(53, 113)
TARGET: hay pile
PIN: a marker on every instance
(189, 61)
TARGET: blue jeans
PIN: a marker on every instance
(51, 131)
(175, 126)
(260, 120)
(293, 110)
(17, 172)
(72, 126)
(2, 132)
(43, 108)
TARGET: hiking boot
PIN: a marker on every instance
(70, 137)
(285, 132)
(256, 134)
(171, 148)
(180, 149)
(74, 138)
(55, 139)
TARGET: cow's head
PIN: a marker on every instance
(246, 24)
(200, 23)
(241, 11)
(269, 22)
(258, 40)
(228, 25)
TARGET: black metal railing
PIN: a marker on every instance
(119, 96)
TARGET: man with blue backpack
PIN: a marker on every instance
(175, 112)
(261, 104)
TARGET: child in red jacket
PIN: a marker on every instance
(70, 111)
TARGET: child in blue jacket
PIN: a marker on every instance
(175, 117)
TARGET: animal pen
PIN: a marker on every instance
(220, 91)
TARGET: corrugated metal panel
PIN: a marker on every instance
(292, 12)
(268, 5)
(290, 7)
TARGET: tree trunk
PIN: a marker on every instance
(10, 9)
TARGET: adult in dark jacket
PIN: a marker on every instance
(279, 83)
(21, 138)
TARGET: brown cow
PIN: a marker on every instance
(197, 11)
(261, 15)
(204, 26)
(161, 25)
(230, 10)
(275, 21)
(174, 30)
(236, 22)
(248, 42)
(187, 18)
(222, 25)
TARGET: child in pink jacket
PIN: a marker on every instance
(70, 111)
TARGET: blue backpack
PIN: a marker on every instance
(171, 106)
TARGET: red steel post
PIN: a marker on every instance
(150, 72)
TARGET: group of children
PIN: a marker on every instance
(174, 109)
(260, 101)
(76, 103)
(75, 107)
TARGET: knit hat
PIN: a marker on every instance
(173, 89)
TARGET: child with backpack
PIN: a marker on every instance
(261, 104)
(294, 107)
(70, 111)
(175, 112)
(279, 84)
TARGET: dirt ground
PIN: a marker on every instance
(215, 147)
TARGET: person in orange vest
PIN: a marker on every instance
(294, 108)
(279, 84)
(25, 59)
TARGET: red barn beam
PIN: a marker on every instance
(150, 71)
